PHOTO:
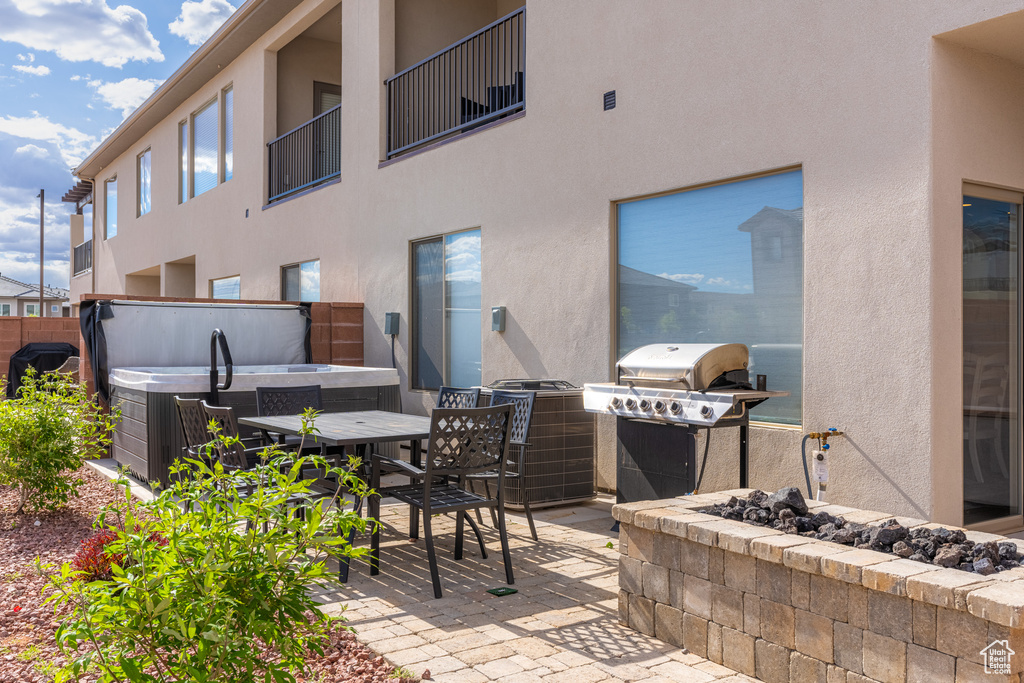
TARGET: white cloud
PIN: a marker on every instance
(688, 278)
(76, 77)
(33, 70)
(80, 30)
(27, 58)
(30, 150)
(200, 19)
(72, 143)
(127, 94)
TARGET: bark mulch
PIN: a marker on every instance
(28, 650)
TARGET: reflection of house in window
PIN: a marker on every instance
(642, 298)
(776, 246)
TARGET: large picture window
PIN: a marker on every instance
(720, 264)
(145, 183)
(301, 282)
(110, 207)
(446, 311)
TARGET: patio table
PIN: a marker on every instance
(359, 428)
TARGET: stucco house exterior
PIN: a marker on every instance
(837, 185)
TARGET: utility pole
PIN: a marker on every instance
(42, 311)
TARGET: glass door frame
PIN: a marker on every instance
(1015, 522)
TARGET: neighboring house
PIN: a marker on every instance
(20, 298)
(838, 185)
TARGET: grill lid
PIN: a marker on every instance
(694, 366)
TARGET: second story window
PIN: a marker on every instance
(206, 141)
(110, 207)
(145, 183)
(301, 282)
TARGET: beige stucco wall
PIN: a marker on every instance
(299, 64)
(851, 92)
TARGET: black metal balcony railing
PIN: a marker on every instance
(306, 156)
(478, 79)
(83, 257)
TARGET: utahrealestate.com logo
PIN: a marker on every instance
(997, 657)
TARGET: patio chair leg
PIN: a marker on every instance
(529, 513)
(459, 518)
(506, 556)
(494, 517)
(428, 537)
(373, 513)
(479, 536)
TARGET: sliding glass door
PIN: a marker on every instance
(991, 361)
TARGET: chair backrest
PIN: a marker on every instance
(468, 440)
(194, 424)
(233, 455)
(271, 401)
(450, 397)
(522, 410)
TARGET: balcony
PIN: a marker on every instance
(479, 79)
(307, 156)
(82, 258)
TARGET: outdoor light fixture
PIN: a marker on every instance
(498, 319)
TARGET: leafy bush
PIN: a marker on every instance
(228, 598)
(94, 559)
(45, 434)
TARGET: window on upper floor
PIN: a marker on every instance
(722, 263)
(226, 288)
(446, 311)
(110, 208)
(301, 281)
(206, 144)
(54, 308)
(145, 183)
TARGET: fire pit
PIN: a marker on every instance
(786, 511)
(790, 606)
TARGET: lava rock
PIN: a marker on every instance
(885, 536)
(786, 515)
(948, 556)
(758, 498)
(788, 498)
(902, 549)
(984, 566)
(918, 557)
(1007, 551)
(803, 524)
(733, 513)
(845, 536)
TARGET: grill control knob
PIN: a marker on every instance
(645, 405)
(659, 406)
(630, 404)
(675, 407)
(615, 402)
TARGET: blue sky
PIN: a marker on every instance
(70, 72)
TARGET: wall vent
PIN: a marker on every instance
(609, 100)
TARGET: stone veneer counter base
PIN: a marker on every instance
(784, 607)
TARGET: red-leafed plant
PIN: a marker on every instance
(94, 560)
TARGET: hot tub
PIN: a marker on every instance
(149, 438)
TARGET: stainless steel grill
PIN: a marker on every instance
(698, 384)
(661, 386)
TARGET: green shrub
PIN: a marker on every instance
(46, 432)
(228, 598)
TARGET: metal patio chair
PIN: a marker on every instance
(515, 466)
(463, 442)
(450, 397)
(235, 455)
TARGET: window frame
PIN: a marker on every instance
(28, 310)
(413, 328)
(3, 308)
(222, 134)
(106, 207)
(236, 276)
(298, 264)
(139, 213)
(614, 264)
(187, 144)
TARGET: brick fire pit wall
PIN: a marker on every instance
(789, 608)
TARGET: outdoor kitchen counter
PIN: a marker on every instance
(786, 607)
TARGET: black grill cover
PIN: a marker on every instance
(43, 356)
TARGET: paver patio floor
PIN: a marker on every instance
(561, 626)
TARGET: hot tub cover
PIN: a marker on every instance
(132, 334)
